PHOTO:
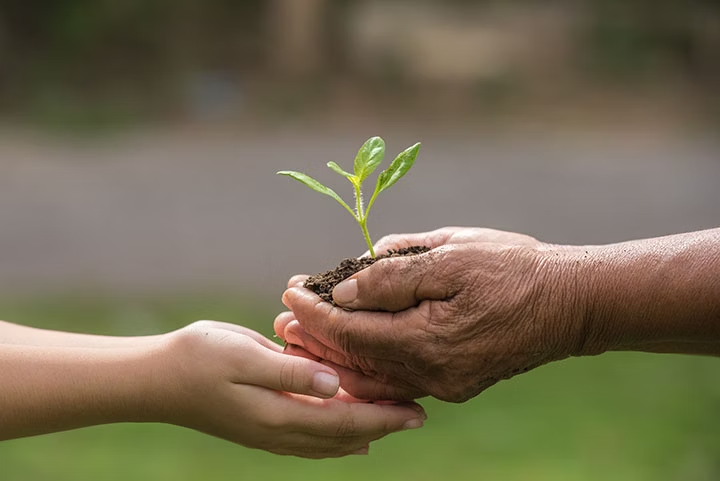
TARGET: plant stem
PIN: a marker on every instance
(358, 201)
(363, 226)
(361, 217)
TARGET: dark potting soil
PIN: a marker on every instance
(323, 283)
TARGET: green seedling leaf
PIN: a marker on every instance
(398, 168)
(338, 170)
(369, 157)
(313, 184)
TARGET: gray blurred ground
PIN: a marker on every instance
(202, 209)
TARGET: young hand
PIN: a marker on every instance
(234, 383)
(218, 378)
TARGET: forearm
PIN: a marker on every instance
(45, 390)
(29, 336)
(657, 295)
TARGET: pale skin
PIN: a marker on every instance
(218, 378)
(485, 305)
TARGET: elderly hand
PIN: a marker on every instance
(481, 306)
(453, 235)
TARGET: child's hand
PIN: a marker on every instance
(232, 382)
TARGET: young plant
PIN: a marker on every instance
(367, 160)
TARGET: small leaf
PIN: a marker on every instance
(312, 183)
(369, 157)
(398, 168)
(338, 170)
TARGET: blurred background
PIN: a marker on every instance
(139, 142)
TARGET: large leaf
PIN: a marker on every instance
(338, 170)
(369, 157)
(398, 168)
(312, 183)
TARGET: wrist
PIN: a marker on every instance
(597, 292)
(153, 379)
(179, 376)
(568, 283)
(657, 295)
(164, 382)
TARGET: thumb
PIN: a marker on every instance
(283, 372)
(398, 283)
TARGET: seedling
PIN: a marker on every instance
(367, 160)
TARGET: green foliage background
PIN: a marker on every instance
(620, 416)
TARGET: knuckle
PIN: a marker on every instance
(242, 348)
(347, 426)
(276, 421)
(191, 339)
(365, 366)
(455, 394)
(202, 324)
(289, 374)
(381, 275)
(339, 334)
(450, 266)
(388, 284)
(345, 341)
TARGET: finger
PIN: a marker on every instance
(297, 336)
(355, 351)
(362, 387)
(226, 326)
(301, 340)
(292, 350)
(365, 378)
(431, 239)
(344, 396)
(297, 280)
(320, 447)
(359, 387)
(398, 283)
(316, 446)
(302, 443)
(362, 451)
(364, 334)
(372, 421)
(281, 321)
(357, 420)
(278, 371)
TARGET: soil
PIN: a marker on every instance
(324, 283)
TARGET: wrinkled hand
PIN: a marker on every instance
(481, 306)
(453, 235)
(233, 383)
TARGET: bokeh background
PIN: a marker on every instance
(139, 142)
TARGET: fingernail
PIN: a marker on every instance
(413, 424)
(325, 383)
(346, 292)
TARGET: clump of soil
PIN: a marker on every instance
(323, 283)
